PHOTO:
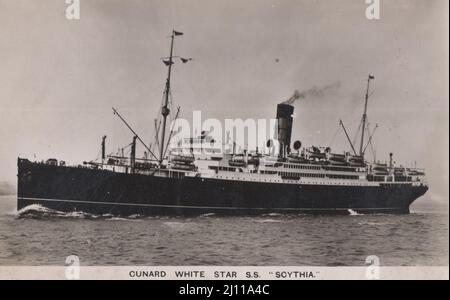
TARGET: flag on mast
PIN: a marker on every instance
(185, 60)
(176, 33)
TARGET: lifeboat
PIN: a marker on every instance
(380, 169)
(183, 167)
(237, 161)
(379, 166)
(413, 172)
(316, 155)
(355, 160)
(296, 159)
(336, 159)
(183, 161)
(183, 158)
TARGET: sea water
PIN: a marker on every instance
(38, 236)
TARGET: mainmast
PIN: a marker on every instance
(364, 117)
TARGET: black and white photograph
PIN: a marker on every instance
(224, 140)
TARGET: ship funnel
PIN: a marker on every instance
(284, 118)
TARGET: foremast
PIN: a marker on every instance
(165, 111)
(364, 116)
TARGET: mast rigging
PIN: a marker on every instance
(348, 138)
(131, 129)
(364, 117)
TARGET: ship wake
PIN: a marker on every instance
(37, 211)
(351, 212)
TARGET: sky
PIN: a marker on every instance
(59, 78)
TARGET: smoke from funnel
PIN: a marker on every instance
(314, 92)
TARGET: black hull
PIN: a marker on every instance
(104, 192)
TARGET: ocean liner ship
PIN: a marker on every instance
(197, 178)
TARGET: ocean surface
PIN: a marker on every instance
(42, 237)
